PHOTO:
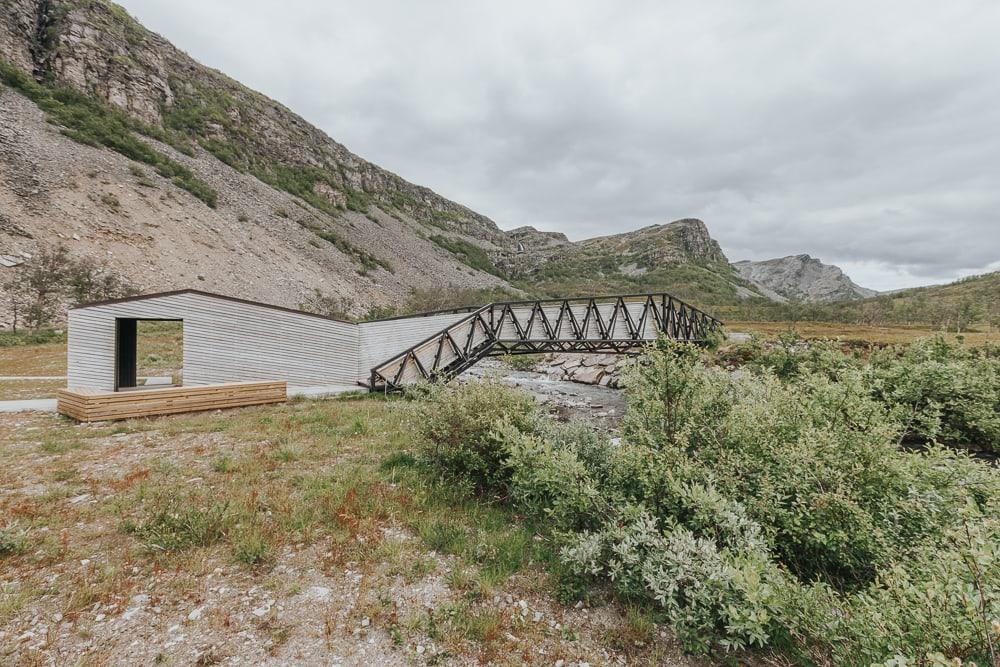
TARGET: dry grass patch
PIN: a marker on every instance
(44, 359)
(20, 390)
(856, 332)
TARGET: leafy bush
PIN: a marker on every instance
(757, 512)
(943, 392)
(461, 428)
(949, 393)
(791, 356)
(368, 261)
(13, 540)
(35, 337)
(467, 253)
(251, 548)
(522, 362)
(182, 527)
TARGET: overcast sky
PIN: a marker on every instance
(863, 133)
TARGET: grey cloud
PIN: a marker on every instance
(862, 133)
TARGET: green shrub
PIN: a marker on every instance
(943, 392)
(181, 527)
(557, 472)
(522, 362)
(251, 548)
(791, 356)
(947, 393)
(13, 540)
(34, 337)
(756, 511)
(462, 429)
(368, 261)
(938, 606)
(467, 253)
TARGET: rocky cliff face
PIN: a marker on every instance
(686, 240)
(801, 278)
(96, 48)
(206, 184)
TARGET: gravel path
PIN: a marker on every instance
(34, 405)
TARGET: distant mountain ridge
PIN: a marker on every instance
(801, 278)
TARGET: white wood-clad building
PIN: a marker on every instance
(233, 340)
(229, 340)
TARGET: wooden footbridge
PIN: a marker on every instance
(614, 324)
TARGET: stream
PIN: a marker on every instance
(565, 399)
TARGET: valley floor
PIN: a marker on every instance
(302, 534)
(890, 334)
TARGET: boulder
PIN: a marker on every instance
(589, 375)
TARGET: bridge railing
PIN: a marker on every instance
(617, 323)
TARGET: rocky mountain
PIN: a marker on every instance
(680, 257)
(123, 149)
(801, 278)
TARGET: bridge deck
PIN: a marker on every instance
(585, 324)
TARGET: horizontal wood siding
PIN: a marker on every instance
(380, 341)
(92, 405)
(224, 341)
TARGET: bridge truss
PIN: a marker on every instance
(612, 324)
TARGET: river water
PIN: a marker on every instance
(564, 399)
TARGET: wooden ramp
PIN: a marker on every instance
(89, 405)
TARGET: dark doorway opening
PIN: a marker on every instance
(148, 353)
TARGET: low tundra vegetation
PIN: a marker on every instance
(772, 510)
(941, 391)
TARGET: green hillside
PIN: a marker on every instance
(680, 257)
(972, 302)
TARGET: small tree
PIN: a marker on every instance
(15, 296)
(88, 280)
(42, 281)
(966, 313)
(994, 320)
(35, 291)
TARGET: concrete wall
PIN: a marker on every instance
(380, 341)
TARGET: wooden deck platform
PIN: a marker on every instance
(89, 405)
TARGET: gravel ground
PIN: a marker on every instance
(83, 593)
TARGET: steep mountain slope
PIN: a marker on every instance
(801, 278)
(207, 183)
(680, 257)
